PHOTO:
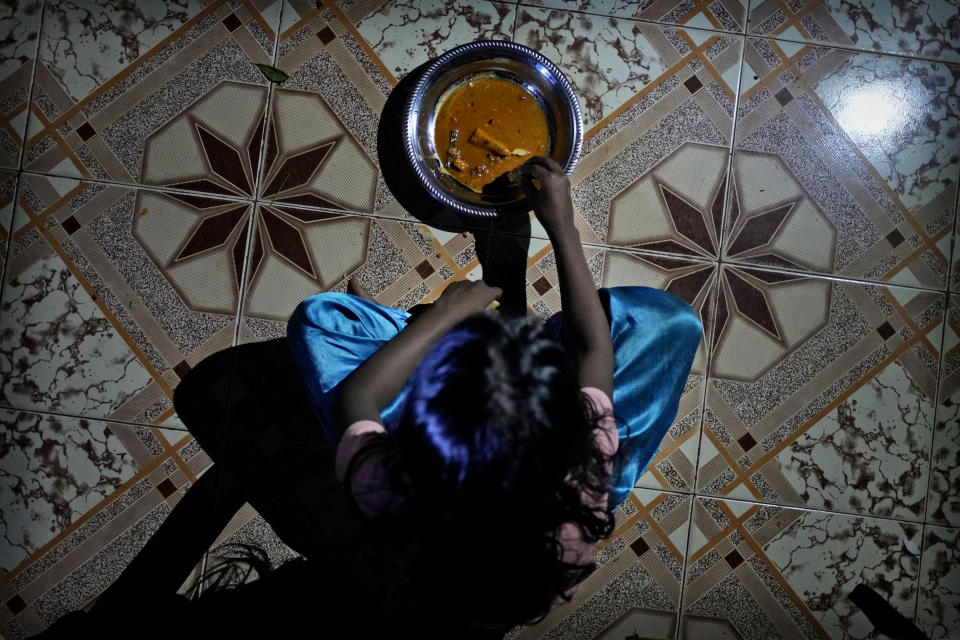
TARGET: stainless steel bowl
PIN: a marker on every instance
(508, 60)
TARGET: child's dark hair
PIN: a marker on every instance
(488, 456)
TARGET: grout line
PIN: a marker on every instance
(829, 45)
(143, 187)
(516, 20)
(937, 406)
(686, 556)
(808, 509)
(660, 23)
(916, 597)
(8, 253)
(125, 423)
(786, 506)
(33, 82)
(777, 269)
(708, 340)
(744, 32)
(255, 206)
(943, 338)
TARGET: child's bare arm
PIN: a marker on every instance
(375, 383)
(585, 329)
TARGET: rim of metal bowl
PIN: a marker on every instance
(499, 46)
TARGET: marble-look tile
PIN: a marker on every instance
(758, 572)
(115, 83)
(607, 61)
(112, 293)
(821, 393)
(79, 33)
(938, 606)
(19, 31)
(925, 28)
(8, 189)
(636, 587)
(84, 558)
(725, 15)
(55, 470)
(943, 501)
(297, 253)
(406, 34)
(658, 102)
(845, 163)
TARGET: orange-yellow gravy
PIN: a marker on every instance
(488, 127)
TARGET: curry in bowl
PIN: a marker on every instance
(487, 127)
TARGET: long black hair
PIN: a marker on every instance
(487, 459)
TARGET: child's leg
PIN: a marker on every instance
(331, 334)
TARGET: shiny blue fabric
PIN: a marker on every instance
(654, 334)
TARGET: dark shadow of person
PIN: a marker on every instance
(251, 412)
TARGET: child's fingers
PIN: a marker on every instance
(552, 164)
(531, 178)
(546, 162)
(533, 169)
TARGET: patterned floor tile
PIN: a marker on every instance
(655, 100)
(58, 468)
(845, 163)
(248, 527)
(725, 15)
(757, 572)
(8, 187)
(297, 253)
(152, 95)
(349, 56)
(943, 501)
(924, 28)
(19, 29)
(821, 393)
(94, 493)
(636, 587)
(938, 607)
(112, 294)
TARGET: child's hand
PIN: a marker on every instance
(551, 201)
(467, 297)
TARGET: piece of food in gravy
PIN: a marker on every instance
(504, 124)
(483, 139)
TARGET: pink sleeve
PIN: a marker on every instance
(367, 481)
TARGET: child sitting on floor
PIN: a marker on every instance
(484, 446)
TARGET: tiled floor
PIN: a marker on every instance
(789, 167)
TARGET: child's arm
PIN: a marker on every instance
(376, 382)
(585, 330)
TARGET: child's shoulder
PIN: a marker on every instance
(354, 438)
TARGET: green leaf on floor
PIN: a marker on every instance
(272, 73)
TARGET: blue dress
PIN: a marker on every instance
(655, 337)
